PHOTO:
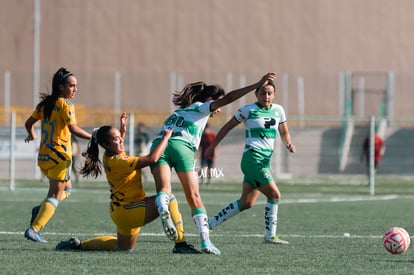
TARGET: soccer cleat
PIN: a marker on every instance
(209, 248)
(33, 235)
(35, 211)
(184, 248)
(71, 244)
(168, 226)
(275, 240)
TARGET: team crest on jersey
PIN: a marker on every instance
(254, 114)
(277, 113)
(266, 175)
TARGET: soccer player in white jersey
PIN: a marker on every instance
(196, 103)
(262, 120)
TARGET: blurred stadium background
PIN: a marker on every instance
(340, 62)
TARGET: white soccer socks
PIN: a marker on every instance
(271, 218)
(229, 211)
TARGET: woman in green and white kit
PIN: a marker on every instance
(196, 103)
(262, 120)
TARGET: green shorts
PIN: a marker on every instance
(178, 155)
(256, 168)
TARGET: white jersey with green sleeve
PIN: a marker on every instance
(261, 125)
(188, 123)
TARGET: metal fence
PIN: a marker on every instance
(317, 142)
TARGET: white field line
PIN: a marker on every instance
(211, 198)
(321, 199)
(287, 201)
(347, 199)
(194, 235)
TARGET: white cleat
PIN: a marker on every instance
(168, 226)
(209, 248)
(275, 240)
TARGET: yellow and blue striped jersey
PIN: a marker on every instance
(55, 142)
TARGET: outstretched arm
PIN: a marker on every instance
(220, 135)
(236, 94)
(155, 154)
(79, 132)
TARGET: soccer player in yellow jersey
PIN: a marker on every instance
(130, 208)
(58, 122)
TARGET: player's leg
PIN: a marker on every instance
(100, 243)
(65, 195)
(162, 178)
(126, 242)
(181, 246)
(129, 218)
(58, 177)
(177, 218)
(151, 212)
(192, 194)
(272, 193)
(249, 196)
(246, 201)
(128, 221)
(49, 205)
(67, 192)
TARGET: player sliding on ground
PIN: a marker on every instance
(262, 120)
(130, 208)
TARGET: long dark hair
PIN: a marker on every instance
(93, 165)
(197, 91)
(48, 101)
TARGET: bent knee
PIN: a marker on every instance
(247, 204)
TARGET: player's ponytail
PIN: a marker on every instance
(93, 165)
(188, 94)
(210, 91)
(48, 101)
